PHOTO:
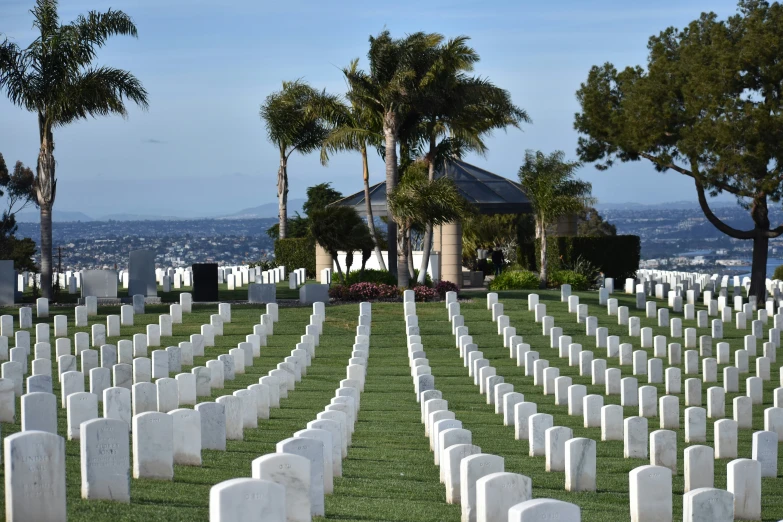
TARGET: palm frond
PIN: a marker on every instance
(99, 92)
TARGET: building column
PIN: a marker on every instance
(322, 260)
(437, 246)
(451, 253)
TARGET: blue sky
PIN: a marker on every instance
(208, 64)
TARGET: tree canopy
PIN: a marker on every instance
(56, 77)
(294, 122)
(591, 223)
(554, 191)
(708, 105)
(318, 197)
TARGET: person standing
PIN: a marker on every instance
(497, 261)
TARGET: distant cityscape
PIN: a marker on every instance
(106, 244)
(675, 237)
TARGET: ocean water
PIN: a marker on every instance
(772, 264)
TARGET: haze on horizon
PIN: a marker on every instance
(201, 149)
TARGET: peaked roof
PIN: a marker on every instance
(488, 192)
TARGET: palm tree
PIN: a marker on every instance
(398, 67)
(55, 78)
(459, 110)
(355, 127)
(293, 124)
(553, 191)
(417, 201)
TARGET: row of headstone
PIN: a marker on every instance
(701, 281)
(303, 468)
(297, 278)
(650, 492)
(163, 433)
(663, 442)
(645, 396)
(475, 480)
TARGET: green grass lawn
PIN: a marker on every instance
(224, 294)
(389, 474)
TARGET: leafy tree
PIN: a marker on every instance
(590, 223)
(709, 106)
(298, 227)
(55, 77)
(338, 228)
(355, 128)
(293, 124)
(553, 191)
(17, 185)
(391, 89)
(417, 201)
(456, 112)
(482, 231)
(318, 197)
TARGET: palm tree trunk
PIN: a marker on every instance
(409, 248)
(393, 235)
(370, 218)
(403, 276)
(543, 273)
(282, 194)
(46, 251)
(427, 245)
(45, 190)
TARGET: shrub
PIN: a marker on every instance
(615, 256)
(425, 293)
(515, 280)
(778, 273)
(339, 292)
(363, 292)
(445, 286)
(427, 278)
(265, 264)
(371, 275)
(296, 253)
(569, 277)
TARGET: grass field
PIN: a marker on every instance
(389, 474)
(238, 294)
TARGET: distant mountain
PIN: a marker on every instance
(33, 216)
(673, 205)
(139, 217)
(268, 210)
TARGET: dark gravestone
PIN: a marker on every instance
(99, 283)
(141, 274)
(7, 283)
(205, 282)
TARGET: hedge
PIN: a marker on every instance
(615, 256)
(296, 253)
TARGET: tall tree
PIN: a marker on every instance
(591, 223)
(355, 128)
(456, 112)
(417, 201)
(336, 229)
(293, 124)
(391, 88)
(55, 78)
(709, 105)
(318, 197)
(18, 186)
(554, 191)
